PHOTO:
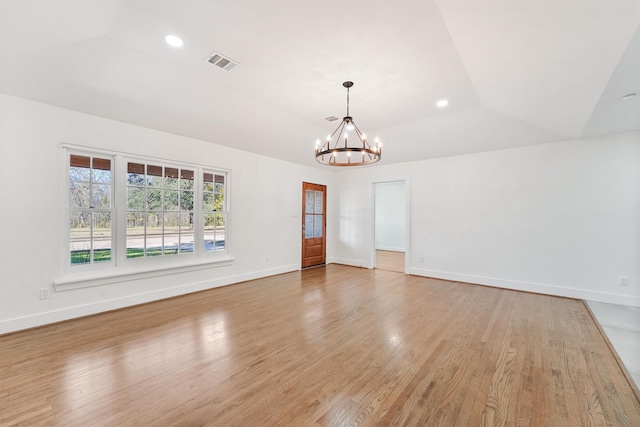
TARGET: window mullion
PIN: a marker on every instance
(120, 206)
(198, 220)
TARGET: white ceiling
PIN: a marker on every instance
(515, 72)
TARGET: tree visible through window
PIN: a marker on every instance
(161, 210)
(214, 212)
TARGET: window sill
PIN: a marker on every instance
(95, 278)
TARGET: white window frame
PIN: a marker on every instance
(121, 268)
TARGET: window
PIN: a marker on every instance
(129, 211)
(213, 211)
(91, 211)
(160, 210)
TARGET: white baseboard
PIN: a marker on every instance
(40, 319)
(531, 287)
(390, 249)
(351, 262)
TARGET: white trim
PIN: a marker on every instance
(40, 319)
(143, 158)
(110, 276)
(407, 223)
(539, 288)
(389, 248)
(352, 262)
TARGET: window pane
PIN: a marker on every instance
(220, 231)
(170, 200)
(218, 202)
(186, 242)
(79, 168)
(318, 204)
(171, 222)
(80, 225)
(79, 194)
(207, 182)
(154, 223)
(101, 195)
(154, 229)
(101, 236)
(317, 225)
(101, 176)
(207, 202)
(308, 226)
(209, 221)
(186, 179)
(79, 175)
(220, 221)
(135, 198)
(186, 200)
(101, 170)
(186, 221)
(154, 199)
(171, 178)
(154, 246)
(80, 237)
(308, 203)
(171, 242)
(209, 232)
(154, 176)
(135, 174)
(135, 223)
(135, 234)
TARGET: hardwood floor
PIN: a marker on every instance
(390, 261)
(322, 347)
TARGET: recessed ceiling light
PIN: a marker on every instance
(174, 41)
(629, 96)
(442, 103)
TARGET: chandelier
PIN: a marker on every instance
(343, 148)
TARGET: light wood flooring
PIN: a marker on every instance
(390, 261)
(327, 346)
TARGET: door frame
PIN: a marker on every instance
(324, 225)
(407, 223)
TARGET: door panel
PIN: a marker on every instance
(314, 220)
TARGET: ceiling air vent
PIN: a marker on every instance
(221, 61)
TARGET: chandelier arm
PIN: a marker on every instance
(364, 141)
(341, 127)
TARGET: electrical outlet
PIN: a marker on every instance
(624, 281)
(44, 293)
(421, 259)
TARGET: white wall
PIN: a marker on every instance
(390, 216)
(560, 218)
(265, 217)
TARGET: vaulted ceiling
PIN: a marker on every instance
(515, 72)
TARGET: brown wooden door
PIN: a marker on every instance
(314, 221)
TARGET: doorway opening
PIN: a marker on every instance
(390, 226)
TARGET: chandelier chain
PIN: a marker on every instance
(348, 101)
